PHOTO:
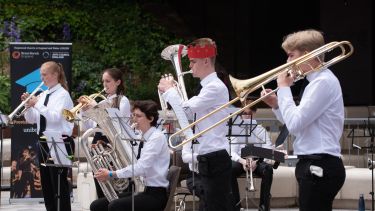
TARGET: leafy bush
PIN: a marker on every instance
(104, 34)
(4, 94)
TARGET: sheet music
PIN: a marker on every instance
(57, 148)
(122, 124)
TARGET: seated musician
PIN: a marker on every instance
(259, 167)
(152, 165)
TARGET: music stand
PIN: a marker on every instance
(3, 124)
(56, 155)
(128, 134)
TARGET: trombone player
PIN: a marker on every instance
(46, 111)
(214, 163)
(317, 123)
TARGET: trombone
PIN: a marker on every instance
(16, 112)
(70, 115)
(245, 87)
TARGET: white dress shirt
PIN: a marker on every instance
(318, 121)
(59, 99)
(213, 94)
(259, 132)
(124, 108)
(154, 161)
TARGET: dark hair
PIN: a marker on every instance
(149, 108)
(116, 74)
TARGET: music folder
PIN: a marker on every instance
(251, 150)
(57, 150)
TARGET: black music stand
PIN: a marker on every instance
(127, 134)
(56, 155)
(370, 127)
(3, 123)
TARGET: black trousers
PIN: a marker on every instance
(49, 176)
(152, 199)
(263, 170)
(196, 185)
(318, 193)
(215, 171)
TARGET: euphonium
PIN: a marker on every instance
(117, 154)
(70, 115)
(16, 112)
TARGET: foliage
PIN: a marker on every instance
(4, 94)
(112, 33)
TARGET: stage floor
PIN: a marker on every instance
(35, 206)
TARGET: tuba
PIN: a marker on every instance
(116, 155)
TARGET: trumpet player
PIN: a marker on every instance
(153, 166)
(256, 166)
(112, 79)
(317, 123)
(214, 163)
(46, 111)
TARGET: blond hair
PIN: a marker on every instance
(303, 41)
(57, 68)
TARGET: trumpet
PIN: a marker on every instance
(245, 87)
(70, 115)
(249, 176)
(18, 112)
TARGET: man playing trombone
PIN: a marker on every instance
(214, 164)
(317, 122)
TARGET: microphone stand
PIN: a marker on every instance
(193, 163)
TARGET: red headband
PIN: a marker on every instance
(199, 52)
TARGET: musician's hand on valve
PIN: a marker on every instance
(166, 82)
(271, 99)
(102, 175)
(32, 101)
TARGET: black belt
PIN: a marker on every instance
(155, 189)
(316, 156)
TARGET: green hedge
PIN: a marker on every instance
(104, 34)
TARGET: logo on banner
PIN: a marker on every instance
(16, 54)
(31, 81)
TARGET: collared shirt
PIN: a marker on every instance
(318, 121)
(154, 162)
(213, 94)
(124, 108)
(258, 134)
(59, 99)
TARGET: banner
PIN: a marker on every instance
(25, 62)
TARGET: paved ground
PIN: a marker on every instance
(36, 206)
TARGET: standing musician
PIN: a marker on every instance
(46, 111)
(214, 163)
(153, 166)
(259, 167)
(115, 90)
(317, 122)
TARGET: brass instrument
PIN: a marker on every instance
(70, 115)
(117, 154)
(249, 175)
(16, 112)
(245, 87)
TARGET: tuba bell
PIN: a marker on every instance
(117, 154)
